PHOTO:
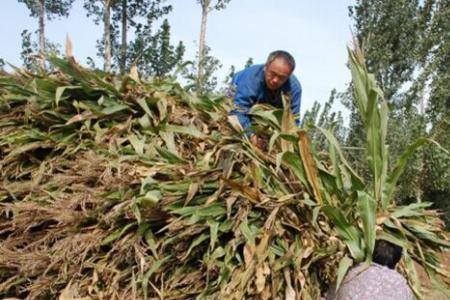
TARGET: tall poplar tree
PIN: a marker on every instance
(407, 44)
(46, 9)
(119, 17)
(207, 6)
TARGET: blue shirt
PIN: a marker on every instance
(251, 89)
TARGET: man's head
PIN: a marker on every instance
(279, 66)
(386, 253)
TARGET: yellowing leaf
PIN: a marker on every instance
(309, 164)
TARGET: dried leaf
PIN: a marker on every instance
(310, 165)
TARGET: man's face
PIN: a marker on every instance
(276, 73)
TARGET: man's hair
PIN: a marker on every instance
(386, 253)
(284, 55)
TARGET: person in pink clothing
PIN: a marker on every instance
(378, 281)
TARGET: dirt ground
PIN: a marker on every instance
(430, 293)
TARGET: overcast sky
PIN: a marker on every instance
(315, 32)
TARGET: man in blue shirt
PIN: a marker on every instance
(265, 84)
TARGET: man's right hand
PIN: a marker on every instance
(258, 141)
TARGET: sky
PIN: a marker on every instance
(315, 32)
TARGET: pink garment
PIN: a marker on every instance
(373, 282)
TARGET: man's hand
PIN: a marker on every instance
(258, 141)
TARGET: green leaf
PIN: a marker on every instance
(400, 165)
(144, 106)
(169, 140)
(213, 210)
(247, 232)
(60, 91)
(189, 130)
(197, 241)
(154, 267)
(214, 229)
(414, 281)
(344, 265)
(293, 162)
(169, 156)
(261, 111)
(151, 198)
(357, 182)
(367, 211)
(114, 108)
(138, 144)
(117, 234)
(350, 233)
(411, 210)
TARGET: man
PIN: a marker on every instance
(265, 84)
(379, 281)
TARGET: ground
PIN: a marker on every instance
(433, 294)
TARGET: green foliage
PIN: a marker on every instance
(377, 199)
(324, 117)
(159, 57)
(42, 9)
(210, 65)
(53, 8)
(30, 49)
(151, 51)
(27, 50)
(389, 32)
(407, 45)
(249, 62)
(213, 4)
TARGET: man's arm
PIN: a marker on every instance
(296, 100)
(243, 101)
(243, 106)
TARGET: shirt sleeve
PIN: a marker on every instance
(296, 101)
(244, 98)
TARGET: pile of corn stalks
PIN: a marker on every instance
(119, 188)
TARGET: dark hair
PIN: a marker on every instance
(386, 253)
(283, 54)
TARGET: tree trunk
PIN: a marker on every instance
(123, 47)
(107, 42)
(201, 46)
(42, 32)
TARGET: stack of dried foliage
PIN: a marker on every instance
(118, 188)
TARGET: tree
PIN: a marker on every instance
(118, 17)
(153, 53)
(129, 15)
(249, 62)
(49, 9)
(408, 48)
(437, 161)
(166, 55)
(207, 6)
(229, 77)
(210, 65)
(27, 50)
(101, 10)
(157, 56)
(30, 47)
(389, 33)
(324, 117)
